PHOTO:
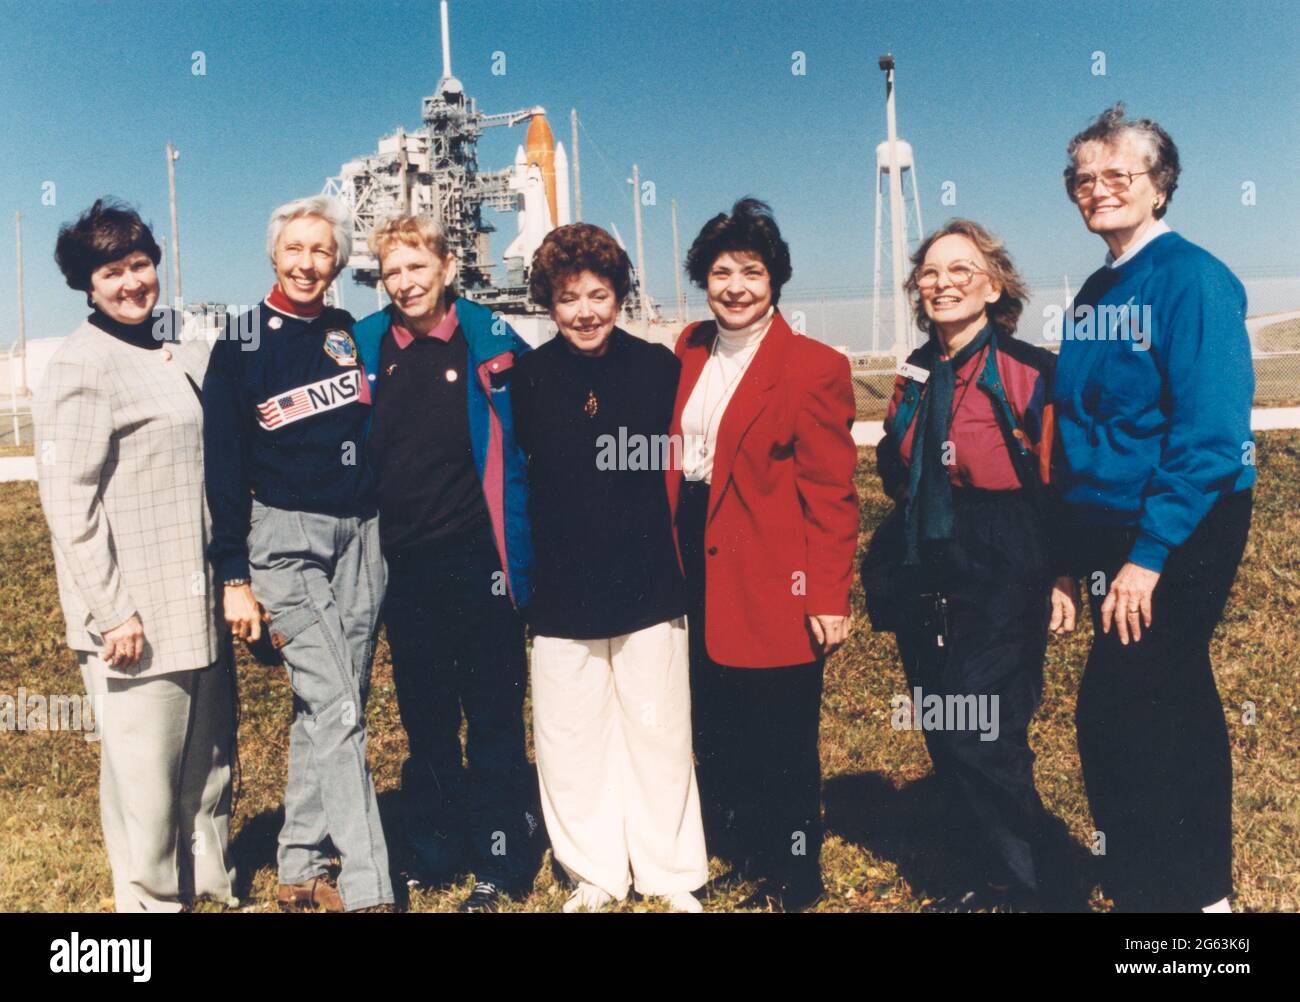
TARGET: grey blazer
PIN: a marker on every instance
(119, 460)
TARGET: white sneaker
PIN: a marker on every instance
(587, 898)
(684, 901)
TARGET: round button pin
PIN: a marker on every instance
(452, 375)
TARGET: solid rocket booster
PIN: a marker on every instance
(562, 215)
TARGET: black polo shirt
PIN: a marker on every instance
(429, 487)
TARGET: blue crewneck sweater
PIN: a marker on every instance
(1153, 394)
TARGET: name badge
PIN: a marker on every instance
(911, 371)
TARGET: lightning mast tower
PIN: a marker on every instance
(893, 158)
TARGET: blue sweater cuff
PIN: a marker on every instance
(1149, 552)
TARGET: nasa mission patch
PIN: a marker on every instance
(340, 347)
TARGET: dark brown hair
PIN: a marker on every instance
(108, 231)
(570, 250)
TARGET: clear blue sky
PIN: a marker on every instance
(701, 95)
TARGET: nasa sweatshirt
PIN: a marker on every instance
(285, 406)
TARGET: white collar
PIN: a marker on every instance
(1156, 229)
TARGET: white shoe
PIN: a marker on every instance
(684, 901)
(587, 898)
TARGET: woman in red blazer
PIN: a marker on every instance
(767, 523)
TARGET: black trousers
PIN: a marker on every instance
(1152, 736)
(458, 644)
(996, 579)
(755, 735)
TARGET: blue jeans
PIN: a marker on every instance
(322, 580)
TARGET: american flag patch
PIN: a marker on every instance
(296, 404)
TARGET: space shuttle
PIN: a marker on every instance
(541, 177)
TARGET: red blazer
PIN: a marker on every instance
(782, 527)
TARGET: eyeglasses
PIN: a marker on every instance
(960, 274)
(1114, 180)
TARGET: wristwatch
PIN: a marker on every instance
(235, 582)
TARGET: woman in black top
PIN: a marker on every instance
(611, 699)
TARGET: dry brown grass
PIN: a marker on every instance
(886, 849)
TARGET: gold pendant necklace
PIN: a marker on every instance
(592, 405)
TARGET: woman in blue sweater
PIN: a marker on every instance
(1153, 394)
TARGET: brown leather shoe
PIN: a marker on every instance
(319, 893)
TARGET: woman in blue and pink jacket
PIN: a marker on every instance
(962, 570)
(453, 525)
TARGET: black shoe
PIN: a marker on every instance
(486, 897)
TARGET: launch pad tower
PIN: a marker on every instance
(434, 171)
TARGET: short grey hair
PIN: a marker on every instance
(1159, 151)
(323, 207)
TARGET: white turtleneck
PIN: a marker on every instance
(730, 356)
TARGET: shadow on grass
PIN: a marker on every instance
(935, 847)
(254, 847)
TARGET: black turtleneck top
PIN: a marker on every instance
(141, 335)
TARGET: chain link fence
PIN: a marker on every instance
(1275, 342)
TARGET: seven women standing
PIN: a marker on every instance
(1152, 392)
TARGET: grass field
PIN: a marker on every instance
(889, 846)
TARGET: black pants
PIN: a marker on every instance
(1152, 737)
(458, 644)
(755, 736)
(996, 578)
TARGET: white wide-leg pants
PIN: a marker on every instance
(612, 732)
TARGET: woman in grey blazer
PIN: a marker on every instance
(119, 429)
